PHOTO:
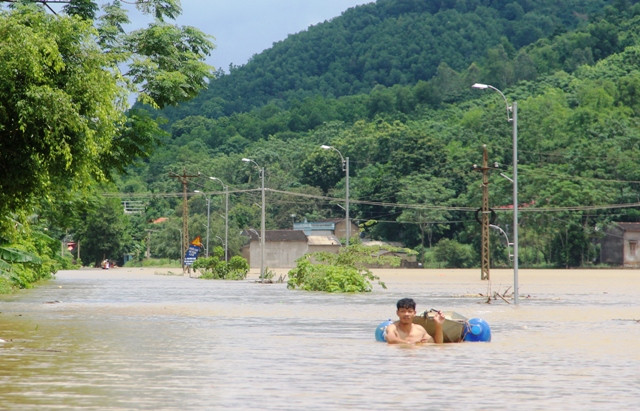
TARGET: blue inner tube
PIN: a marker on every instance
(477, 330)
(381, 330)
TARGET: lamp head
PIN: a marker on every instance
(326, 147)
(246, 160)
(480, 86)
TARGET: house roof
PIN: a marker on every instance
(630, 226)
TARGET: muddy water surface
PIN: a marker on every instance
(126, 339)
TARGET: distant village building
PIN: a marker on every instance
(283, 247)
(621, 245)
(336, 227)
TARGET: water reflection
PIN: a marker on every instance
(90, 341)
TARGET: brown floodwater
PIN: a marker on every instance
(130, 339)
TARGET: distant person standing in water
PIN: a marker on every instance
(404, 331)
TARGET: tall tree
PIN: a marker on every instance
(63, 98)
(433, 195)
(64, 118)
(103, 233)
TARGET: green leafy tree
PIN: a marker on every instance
(455, 255)
(63, 97)
(104, 232)
(57, 117)
(85, 9)
(64, 114)
(320, 169)
(434, 196)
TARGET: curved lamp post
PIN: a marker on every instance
(226, 217)
(512, 117)
(506, 237)
(345, 168)
(248, 160)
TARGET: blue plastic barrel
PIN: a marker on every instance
(477, 330)
(381, 331)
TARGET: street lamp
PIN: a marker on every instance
(248, 160)
(208, 218)
(226, 217)
(506, 237)
(345, 168)
(513, 118)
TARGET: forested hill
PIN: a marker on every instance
(386, 43)
(412, 140)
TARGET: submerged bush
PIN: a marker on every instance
(344, 272)
(215, 268)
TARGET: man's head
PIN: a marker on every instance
(406, 303)
(406, 310)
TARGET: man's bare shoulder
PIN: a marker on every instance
(419, 327)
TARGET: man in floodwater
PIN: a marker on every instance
(404, 331)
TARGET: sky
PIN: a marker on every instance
(242, 28)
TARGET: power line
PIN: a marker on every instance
(528, 209)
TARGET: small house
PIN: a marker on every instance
(621, 245)
(283, 247)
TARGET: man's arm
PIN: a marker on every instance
(392, 335)
(426, 338)
(439, 320)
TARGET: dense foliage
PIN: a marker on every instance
(64, 118)
(391, 42)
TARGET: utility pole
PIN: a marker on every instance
(485, 213)
(184, 179)
(148, 253)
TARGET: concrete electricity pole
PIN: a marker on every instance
(184, 179)
(485, 212)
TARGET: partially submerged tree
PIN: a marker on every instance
(345, 272)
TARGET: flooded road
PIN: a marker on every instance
(129, 339)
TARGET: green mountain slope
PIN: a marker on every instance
(411, 147)
(386, 43)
